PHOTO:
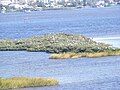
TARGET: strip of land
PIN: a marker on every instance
(23, 82)
(54, 43)
(85, 54)
(61, 45)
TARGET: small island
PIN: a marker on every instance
(23, 82)
(61, 46)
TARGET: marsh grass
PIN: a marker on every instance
(85, 54)
(23, 82)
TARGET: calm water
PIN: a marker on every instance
(78, 74)
(90, 22)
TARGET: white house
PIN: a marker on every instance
(6, 2)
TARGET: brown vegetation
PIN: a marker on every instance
(85, 54)
(22, 82)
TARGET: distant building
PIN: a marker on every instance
(67, 0)
(6, 2)
(27, 1)
(46, 1)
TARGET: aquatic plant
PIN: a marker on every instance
(23, 82)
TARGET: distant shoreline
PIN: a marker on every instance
(51, 8)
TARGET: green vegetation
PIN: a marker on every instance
(86, 54)
(54, 43)
(62, 45)
(22, 82)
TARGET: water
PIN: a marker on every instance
(114, 41)
(90, 22)
(78, 74)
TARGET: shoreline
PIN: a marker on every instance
(58, 8)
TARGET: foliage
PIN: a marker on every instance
(55, 43)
